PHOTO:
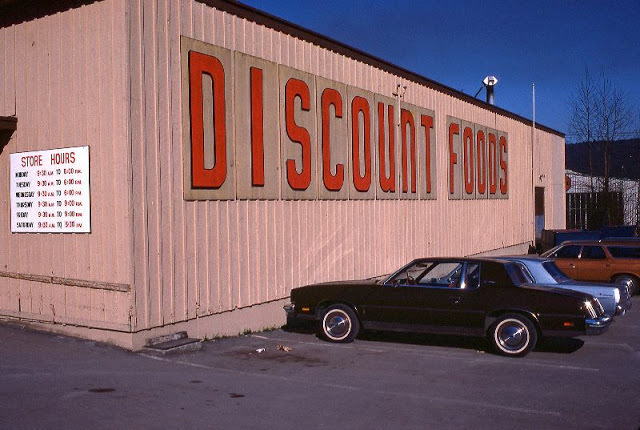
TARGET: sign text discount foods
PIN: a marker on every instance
(253, 129)
(50, 191)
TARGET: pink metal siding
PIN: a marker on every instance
(197, 258)
(108, 75)
(68, 81)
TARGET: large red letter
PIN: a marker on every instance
(454, 130)
(427, 123)
(493, 168)
(331, 182)
(297, 88)
(407, 118)
(503, 165)
(467, 145)
(257, 136)
(387, 183)
(201, 177)
(361, 105)
(481, 148)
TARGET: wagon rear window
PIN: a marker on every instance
(625, 251)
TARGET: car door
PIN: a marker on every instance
(566, 258)
(593, 264)
(393, 305)
(445, 299)
(388, 308)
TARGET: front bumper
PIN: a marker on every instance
(623, 306)
(597, 325)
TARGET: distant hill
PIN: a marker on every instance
(625, 158)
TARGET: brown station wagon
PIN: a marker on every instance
(600, 260)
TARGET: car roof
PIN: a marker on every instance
(478, 259)
(524, 258)
(613, 241)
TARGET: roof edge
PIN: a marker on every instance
(14, 12)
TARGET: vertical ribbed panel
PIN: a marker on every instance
(194, 258)
(64, 77)
(108, 75)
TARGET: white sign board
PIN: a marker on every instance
(50, 191)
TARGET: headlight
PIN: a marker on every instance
(616, 296)
(588, 307)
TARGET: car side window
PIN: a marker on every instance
(592, 253)
(412, 274)
(569, 251)
(472, 278)
(625, 251)
(444, 274)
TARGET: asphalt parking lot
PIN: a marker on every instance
(281, 379)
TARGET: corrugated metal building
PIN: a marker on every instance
(228, 156)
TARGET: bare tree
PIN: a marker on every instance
(582, 122)
(601, 114)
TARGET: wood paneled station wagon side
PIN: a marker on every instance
(464, 296)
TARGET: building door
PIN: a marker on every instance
(539, 215)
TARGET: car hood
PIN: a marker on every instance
(354, 283)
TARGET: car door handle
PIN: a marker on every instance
(455, 300)
(573, 266)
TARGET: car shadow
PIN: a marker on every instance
(559, 345)
(452, 341)
(547, 344)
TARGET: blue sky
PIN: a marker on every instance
(458, 43)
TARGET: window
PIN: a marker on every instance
(445, 274)
(625, 251)
(593, 253)
(517, 274)
(430, 274)
(555, 271)
(569, 251)
(472, 279)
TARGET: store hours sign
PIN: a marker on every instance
(50, 191)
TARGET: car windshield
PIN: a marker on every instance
(555, 272)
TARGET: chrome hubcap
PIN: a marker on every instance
(512, 336)
(337, 324)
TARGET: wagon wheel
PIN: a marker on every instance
(630, 281)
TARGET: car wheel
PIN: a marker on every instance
(630, 281)
(339, 324)
(513, 335)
